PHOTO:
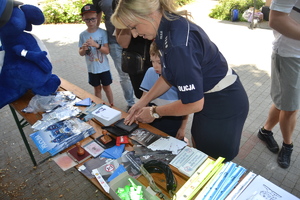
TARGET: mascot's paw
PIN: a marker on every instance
(49, 87)
(40, 59)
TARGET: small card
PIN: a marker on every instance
(88, 166)
(108, 169)
(117, 172)
(64, 161)
(189, 160)
(101, 180)
(122, 140)
(93, 148)
(169, 143)
(84, 102)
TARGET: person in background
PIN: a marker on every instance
(93, 44)
(192, 63)
(285, 75)
(138, 45)
(172, 125)
(105, 6)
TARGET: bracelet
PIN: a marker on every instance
(99, 47)
(24, 53)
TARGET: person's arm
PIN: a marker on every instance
(159, 88)
(99, 18)
(99, 11)
(284, 24)
(123, 37)
(181, 131)
(176, 108)
(104, 49)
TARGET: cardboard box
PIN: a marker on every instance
(122, 180)
(106, 115)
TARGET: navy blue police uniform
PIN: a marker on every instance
(193, 63)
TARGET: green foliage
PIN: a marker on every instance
(56, 11)
(222, 11)
(183, 2)
(68, 11)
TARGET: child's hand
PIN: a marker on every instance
(85, 46)
(92, 43)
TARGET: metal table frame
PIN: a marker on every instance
(21, 123)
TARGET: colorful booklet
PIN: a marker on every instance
(61, 135)
(144, 137)
(64, 161)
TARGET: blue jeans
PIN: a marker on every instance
(116, 54)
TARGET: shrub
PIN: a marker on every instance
(63, 11)
(222, 11)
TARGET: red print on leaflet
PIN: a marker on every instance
(109, 168)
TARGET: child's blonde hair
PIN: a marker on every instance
(153, 49)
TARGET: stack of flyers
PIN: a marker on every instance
(170, 144)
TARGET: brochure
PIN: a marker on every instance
(61, 135)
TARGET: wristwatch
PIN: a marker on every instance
(153, 112)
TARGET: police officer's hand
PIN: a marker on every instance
(133, 111)
(144, 115)
(180, 134)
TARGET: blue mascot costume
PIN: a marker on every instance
(25, 64)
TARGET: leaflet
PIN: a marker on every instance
(189, 160)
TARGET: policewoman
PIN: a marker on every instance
(192, 63)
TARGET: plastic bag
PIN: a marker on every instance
(40, 103)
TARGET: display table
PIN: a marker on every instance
(31, 118)
(181, 179)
